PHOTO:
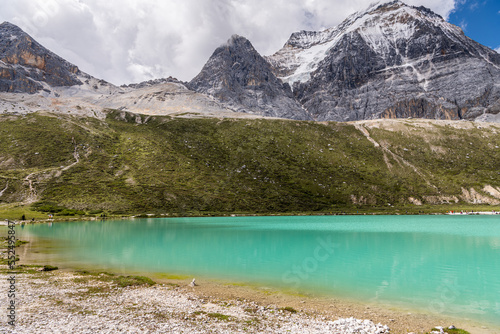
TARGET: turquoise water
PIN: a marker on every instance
(441, 264)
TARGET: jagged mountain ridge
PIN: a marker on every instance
(153, 82)
(242, 79)
(391, 60)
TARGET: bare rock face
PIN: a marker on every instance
(390, 61)
(243, 81)
(25, 65)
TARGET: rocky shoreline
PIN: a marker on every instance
(66, 302)
(91, 302)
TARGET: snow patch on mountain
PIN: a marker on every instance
(305, 50)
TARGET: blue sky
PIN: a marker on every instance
(480, 20)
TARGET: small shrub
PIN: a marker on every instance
(124, 281)
(71, 212)
(66, 212)
(49, 268)
(47, 207)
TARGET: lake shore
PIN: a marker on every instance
(92, 302)
(4, 222)
(13, 213)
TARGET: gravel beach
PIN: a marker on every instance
(82, 302)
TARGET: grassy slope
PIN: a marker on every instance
(136, 164)
(452, 158)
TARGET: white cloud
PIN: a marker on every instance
(473, 6)
(497, 49)
(135, 40)
(463, 25)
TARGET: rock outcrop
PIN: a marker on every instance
(27, 67)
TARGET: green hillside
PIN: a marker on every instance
(132, 164)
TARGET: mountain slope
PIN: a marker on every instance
(135, 163)
(240, 78)
(166, 98)
(392, 60)
(26, 66)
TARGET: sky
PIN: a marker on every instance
(126, 41)
(479, 19)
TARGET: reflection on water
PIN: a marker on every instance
(439, 263)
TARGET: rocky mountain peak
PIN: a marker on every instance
(238, 41)
(380, 25)
(27, 66)
(391, 60)
(380, 7)
(306, 39)
(240, 77)
(7, 27)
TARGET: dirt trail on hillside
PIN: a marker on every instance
(386, 151)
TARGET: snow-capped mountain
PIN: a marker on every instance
(391, 60)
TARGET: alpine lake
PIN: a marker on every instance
(437, 264)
